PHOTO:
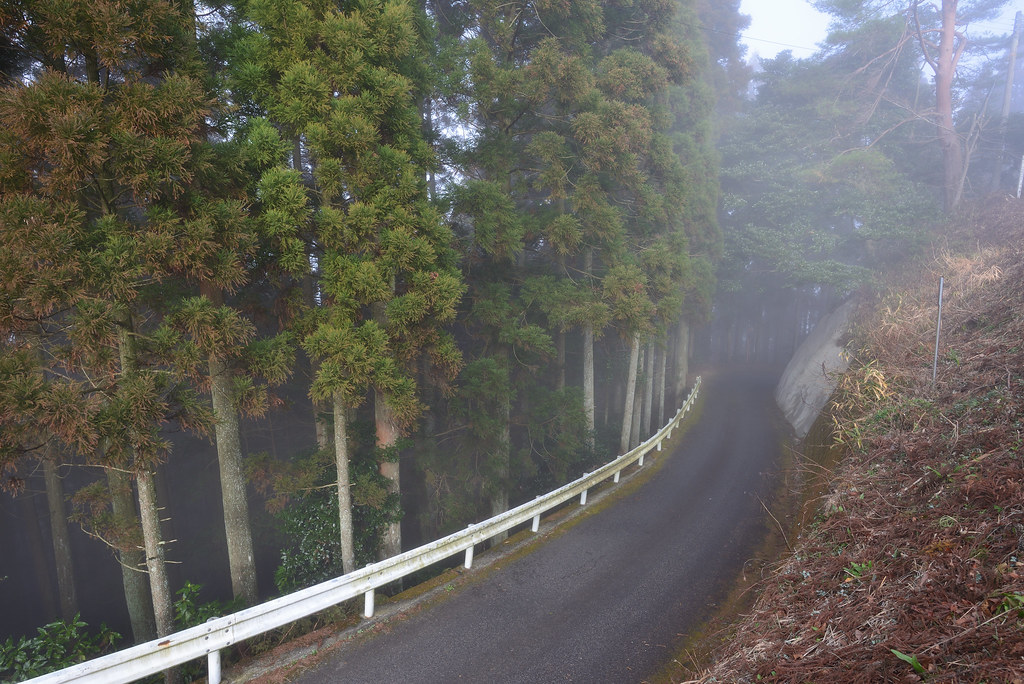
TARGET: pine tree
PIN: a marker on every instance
(341, 81)
(98, 145)
(237, 365)
(512, 78)
(574, 182)
(936, 33)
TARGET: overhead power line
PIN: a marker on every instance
(746, 37)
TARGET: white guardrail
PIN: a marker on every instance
(208, 639)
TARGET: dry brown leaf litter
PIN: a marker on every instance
(913, 569)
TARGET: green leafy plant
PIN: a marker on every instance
(910, 660)
(1012, 602)
(57, 645)
(858, 570)
(189, 612)
(310, 518)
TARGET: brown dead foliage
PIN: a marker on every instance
(919, 547)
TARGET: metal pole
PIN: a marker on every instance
(213, 671)
(1020, 181)
(938, 329)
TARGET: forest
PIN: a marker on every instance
(293, 285)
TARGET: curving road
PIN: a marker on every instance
(608, 600)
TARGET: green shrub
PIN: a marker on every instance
(56, 646)
(188, 612)
(310, 518)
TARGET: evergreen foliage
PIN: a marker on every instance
(443, 207)
(804, 199)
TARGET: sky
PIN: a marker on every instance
(778, 25)
(794, 25)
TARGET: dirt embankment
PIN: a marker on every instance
(913, 567)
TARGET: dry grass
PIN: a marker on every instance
(913, 569)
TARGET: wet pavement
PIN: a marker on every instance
(611, 598)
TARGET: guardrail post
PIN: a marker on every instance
(583, 498)
(368, 604)
(469, 558)
(536, 523)
(659, 445)
(213, 667)
(640, 461)
(616, 478)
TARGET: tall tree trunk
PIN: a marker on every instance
(387, 437)
(499, 496)
(638, 406)
(132, 561)
(944, 65)
(682, 361)
(152, 539)
(348, 546)
(156, 562)
(309, 295)
(149, 516)
(627, 412)
(60, 537)
(427, 431)
(237, 529)
(611, 396)
(387, 433)
(659, 385)
(37, 552)
(648, 390)
(588, 380)
(589, 402)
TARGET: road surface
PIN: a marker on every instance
(608, 600)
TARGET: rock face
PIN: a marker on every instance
(807, 381)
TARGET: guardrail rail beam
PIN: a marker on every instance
(207, 640)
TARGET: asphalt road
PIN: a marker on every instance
(608, 600)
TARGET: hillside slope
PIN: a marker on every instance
(913, 568)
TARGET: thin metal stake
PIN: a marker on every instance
(1020, 180)
(938, 330)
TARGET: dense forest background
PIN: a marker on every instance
(291, 285)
